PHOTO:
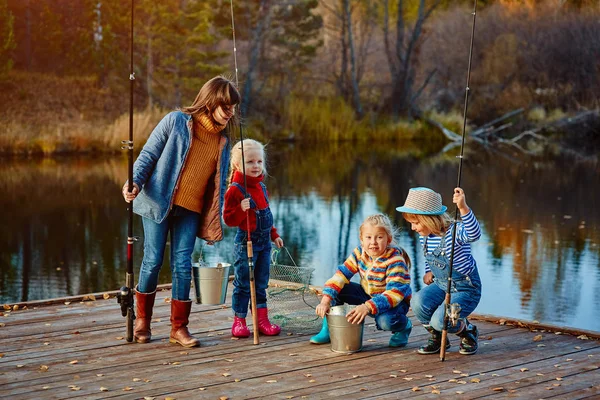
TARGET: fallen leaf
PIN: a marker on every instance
(408, 379)
(226, 374)
(462, 382)
(393, 376)
(524, 369)
(73, 362)
(459, 392)
(237, 380)
(428, 376)
(170, 398)
(537, 338)
(45, 387)
(119, 338)
(292, 354)
(475, 380)
(435, 391)
(229, 359)
(136, 379)
(99, 374)
(201, 388)
(416, 389)
(67, 303)
(75, 388)
(402, 370)
(456, 372)
(312, 381)
(103, 389)
(355, 376)
(452, 380)
(106, 296)
(223, 398)
(20, 365)
(309, 375)
(127, 388)
(44, 368)
(148, 398)
(272, 381)
(583, 337)
(498, 389)
(371, 340)
(559, 379)
(569, 359)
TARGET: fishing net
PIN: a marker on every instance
(291, 301)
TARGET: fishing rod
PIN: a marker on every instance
(249, 242)
(454, 309)
(125, 296)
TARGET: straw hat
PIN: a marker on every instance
(423, 201)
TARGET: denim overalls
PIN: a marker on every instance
(261, 246)
(427, 304)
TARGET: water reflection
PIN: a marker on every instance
(63, 223)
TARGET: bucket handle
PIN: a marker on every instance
(275, 254)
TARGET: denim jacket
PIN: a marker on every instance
(158, 168)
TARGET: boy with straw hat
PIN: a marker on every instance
(427, 216)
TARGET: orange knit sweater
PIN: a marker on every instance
(200, 165)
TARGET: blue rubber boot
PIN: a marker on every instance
(400, 339)
(323, 336)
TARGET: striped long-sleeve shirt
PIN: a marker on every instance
(467, 232)
(386, 279)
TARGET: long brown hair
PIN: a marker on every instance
(219, 91)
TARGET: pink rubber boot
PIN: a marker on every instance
(264, 325)
(239, 328)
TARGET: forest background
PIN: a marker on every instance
(309, 70)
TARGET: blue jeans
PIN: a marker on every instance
(261, 257)
(393, 320)
(428, 305)
(183, 225)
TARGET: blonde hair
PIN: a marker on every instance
(437, 224)
(218, 91)
(236, 155)
(382, 221)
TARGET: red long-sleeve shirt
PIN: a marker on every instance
(232, 211)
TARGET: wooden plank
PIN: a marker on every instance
(161, 369)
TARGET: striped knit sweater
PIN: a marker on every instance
(386, 279)
(468, 232)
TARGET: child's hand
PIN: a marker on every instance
(460, 200)
(358, 314)
(428, 278)
(278, 242)
(245, 204)
(129, 196)
(323, 307)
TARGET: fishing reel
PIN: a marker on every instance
(454, 310)
(125, 299)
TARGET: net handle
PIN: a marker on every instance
(275, 255)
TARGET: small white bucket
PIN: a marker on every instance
(210, 282)
(345, 336)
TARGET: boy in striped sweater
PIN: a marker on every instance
(384, 291)
(427, 216)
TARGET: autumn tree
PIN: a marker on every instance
(7, 38)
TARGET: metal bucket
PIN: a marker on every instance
(345, 337)
(210, 282)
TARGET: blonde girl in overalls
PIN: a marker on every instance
(251, 202)
(423, 209)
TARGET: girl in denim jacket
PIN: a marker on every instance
(179, 181)
(427, 216)
(252, 203)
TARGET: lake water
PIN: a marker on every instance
(63, 223)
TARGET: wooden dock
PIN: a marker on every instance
(75, 349)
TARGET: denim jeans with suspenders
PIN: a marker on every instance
(261, 246)
(428, 303)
